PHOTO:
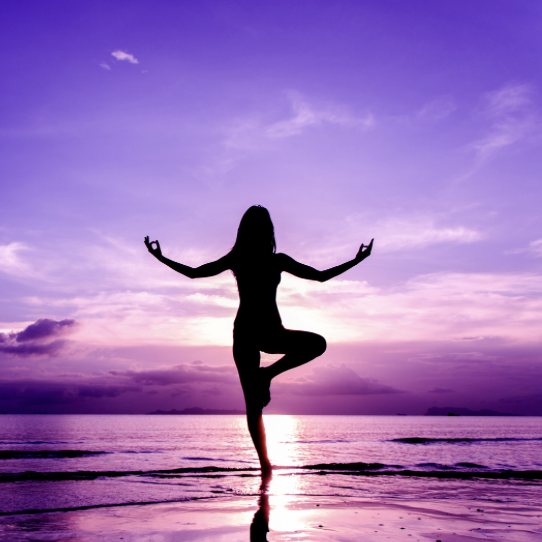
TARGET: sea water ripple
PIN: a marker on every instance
(66, 462)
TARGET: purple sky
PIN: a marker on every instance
(417, 123)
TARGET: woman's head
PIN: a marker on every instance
(256, 233)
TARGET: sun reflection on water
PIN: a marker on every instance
(283, 435)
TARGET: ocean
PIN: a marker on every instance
(69, 462)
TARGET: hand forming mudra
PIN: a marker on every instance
(258, 326)
(156, 252)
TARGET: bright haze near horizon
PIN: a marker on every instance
(417, 123)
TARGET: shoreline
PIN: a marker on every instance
(291, 517)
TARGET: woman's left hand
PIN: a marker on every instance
(364, 251)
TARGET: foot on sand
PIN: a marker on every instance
(265, 387)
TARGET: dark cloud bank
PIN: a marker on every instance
(196, 371)
(197, 381)
(29, 393)
(37, 338)
(332, 380)
(217, 386)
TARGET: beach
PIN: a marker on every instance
(291, 518)
(161, 478)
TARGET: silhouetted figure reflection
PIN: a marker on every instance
(260, 523)
(258, 326)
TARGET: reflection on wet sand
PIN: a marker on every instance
(280, 487)
(293, 517)
(260, 523)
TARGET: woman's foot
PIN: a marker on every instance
(267, 472)
(265, 387)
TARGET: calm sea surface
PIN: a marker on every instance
(64, 462)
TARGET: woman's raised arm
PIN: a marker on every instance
(206, 270)
(306, 272)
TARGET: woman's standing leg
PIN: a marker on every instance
(247, 360)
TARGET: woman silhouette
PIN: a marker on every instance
(258, 326)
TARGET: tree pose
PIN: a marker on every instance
(258, 326)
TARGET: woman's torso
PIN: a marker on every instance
(257, 281)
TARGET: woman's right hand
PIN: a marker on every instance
(156, 252)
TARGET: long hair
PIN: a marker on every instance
(256, 234)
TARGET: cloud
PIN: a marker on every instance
(440, 390)
(443, 305)
(305, 116)
(105, 66)
(30, 264)
(10, 260)
(416, 231)
(259, 132)
(420, 232)
(33, 337)
(121, 55)
(511, 115)
(507, 101)
(28, 392)
(255, 134)
(24, 350)
(333, 380)
(77, 390)
(124, 318)
(98, 391)
(45, 328)
(457, 357)
(181, 374)
(534, 249)
(436, 110)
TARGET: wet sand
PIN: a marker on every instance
(291, 518)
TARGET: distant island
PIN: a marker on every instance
(450, 411)
(197, 410)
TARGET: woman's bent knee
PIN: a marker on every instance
(322, 345)
(319, 345)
